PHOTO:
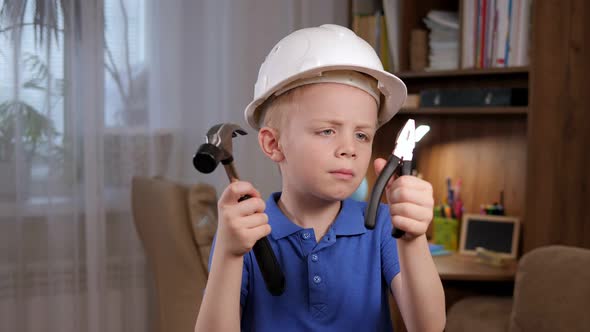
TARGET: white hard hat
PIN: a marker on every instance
(310, 52)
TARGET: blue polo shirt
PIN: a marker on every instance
(338, 284)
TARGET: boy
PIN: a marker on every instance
(320, 96)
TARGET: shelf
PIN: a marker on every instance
(465, 110)
(463, 72)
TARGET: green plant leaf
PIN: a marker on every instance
(46, 15)
(35, 127)
(36, 84)
(36, 65)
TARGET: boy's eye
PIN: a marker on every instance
(362, 136)
(327, 132)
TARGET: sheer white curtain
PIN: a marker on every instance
(82, 114)
(115, 88)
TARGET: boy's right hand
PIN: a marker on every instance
(243, 223)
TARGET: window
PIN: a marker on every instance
(31, 105)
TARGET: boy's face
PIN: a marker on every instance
(327, 140)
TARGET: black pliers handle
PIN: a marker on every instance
(400, 161)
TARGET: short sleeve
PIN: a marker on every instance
(245, 272)
(389, 257)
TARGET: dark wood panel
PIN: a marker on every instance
(558, 186)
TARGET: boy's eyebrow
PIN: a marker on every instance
(339, 123)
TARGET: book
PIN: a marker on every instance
(501, 36)
(369, 23)
(522, 38)
(391, 10)
(468, 35)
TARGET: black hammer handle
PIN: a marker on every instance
(267, 262)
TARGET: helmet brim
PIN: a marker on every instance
(393, 90)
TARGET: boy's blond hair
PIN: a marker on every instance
(275, 113)
(274, 110)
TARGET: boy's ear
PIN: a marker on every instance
(268, 138)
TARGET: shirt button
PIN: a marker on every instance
(314, 257)
(305, 235)
(317, 279)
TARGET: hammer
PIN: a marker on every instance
(218, 147)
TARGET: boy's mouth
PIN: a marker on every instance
(343, 173)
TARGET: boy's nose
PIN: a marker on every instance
(347, 149)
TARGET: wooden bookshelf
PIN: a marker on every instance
(551, 198)
(536, 154)
(486, 151)
(465, 111)
(463, 72)
(472, 78)
(517, 77)
(474, 144)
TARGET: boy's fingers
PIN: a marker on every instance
(235, 190)
(410, 195)
(254, 220)
(411, 182)
(250, 206)
(378, 165)
(409, 225)
(260, 231)
(412, 211)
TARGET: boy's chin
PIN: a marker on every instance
(336, 195)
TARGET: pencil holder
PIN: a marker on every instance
(446, 232)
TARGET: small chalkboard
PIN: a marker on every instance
(496, 233)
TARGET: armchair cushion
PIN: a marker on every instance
(551, 293)
(480, 314)
(552, 290)
(202, 204)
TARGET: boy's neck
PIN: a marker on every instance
(309, 212)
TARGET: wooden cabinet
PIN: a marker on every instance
(557, 197)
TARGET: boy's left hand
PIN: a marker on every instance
(410, 202)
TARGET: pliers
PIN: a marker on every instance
(400, 161)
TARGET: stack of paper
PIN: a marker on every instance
(443, 40)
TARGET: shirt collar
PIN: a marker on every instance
(280, 225)
(350, 219)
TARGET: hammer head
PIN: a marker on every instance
(217, 147)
